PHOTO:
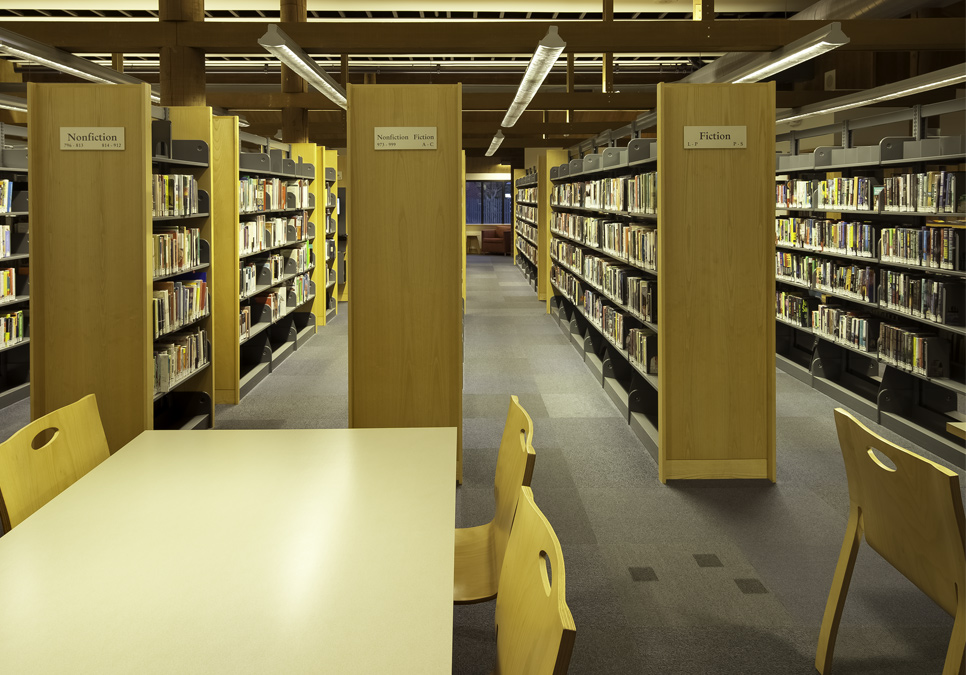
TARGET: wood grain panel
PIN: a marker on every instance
(224, 199)
(90, 217)
(195, 123)
(405, 327)
(716, 308)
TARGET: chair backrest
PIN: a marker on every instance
(514, 468)
(33, 472)
(912, 515)
(535, 630)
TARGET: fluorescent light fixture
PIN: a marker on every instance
(801, 50)
(495, 143)
(914, 85)
(548, 50)
(38, 52)
(243, 122)
(288, 52)
(14, 103)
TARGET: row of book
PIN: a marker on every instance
(843, 326)
(8, 284)
(623, 285)
(6, 243)
(299, 289)
(852, 193)
(914, 349)
(527, 212)
(634, 244)
(527, 230)
(6, 196)
(569, 255)
(178, 357)
(929, 299)
(528, 250)
(175, 248)
(930, 192)
(642, 349)
(833, 236)
(271, 194)
(936, 247)
(174, 195)
(604, 316)
(245, 323)
(528, 194)
(178, 303)
(13, 328)
(853, 281)
(635, 194)
(262, 233)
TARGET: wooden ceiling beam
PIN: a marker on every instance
(243, 100)
(515, 37)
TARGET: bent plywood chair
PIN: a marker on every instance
(912, 516)
(535, 630)
(32, 471)
(480, 549)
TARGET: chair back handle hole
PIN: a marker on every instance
(44, 437)
(882, 460)
(546, 572)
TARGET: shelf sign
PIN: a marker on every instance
(405, 138)
(92, 138)
(715, 137)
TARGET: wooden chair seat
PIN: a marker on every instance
(478, 577)
(48, 455)
(912, 515)
(479, 550)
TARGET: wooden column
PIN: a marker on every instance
(570, 83)
(117, 62)
(182, 68)
(716, 303)
(406, 323)
(703, 10)
(607, 70)
(295, 121)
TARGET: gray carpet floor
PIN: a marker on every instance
(698, 577)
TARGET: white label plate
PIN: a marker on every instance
(92, 138)
(405, 138)
(715, 137)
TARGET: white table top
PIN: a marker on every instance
(268, 551)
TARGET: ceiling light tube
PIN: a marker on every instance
(914, 85)
(14, 103)
(292, 55)
(801, 50)
(495, 143)
(548, 50)
(58, 59)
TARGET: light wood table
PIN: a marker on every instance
(957, 429)
(269, 551)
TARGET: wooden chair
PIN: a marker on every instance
(535, 630)
(912, 516)
(32, 472)
(480, 549)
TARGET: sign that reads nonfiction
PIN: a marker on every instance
(405, 138)
(715, 137)
(92, 138)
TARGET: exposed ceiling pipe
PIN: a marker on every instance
(823, 10)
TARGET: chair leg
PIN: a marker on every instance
(955, 661)
(836, 596)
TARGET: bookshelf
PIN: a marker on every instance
(406, 323)
(850, 270)
(92, 259)
(525, 232)
(14, 269)
(672, 315)
(268, 253)
(327, 307)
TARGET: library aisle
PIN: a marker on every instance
(702, 577)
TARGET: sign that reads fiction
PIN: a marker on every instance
(405, 138)
(727, 138)
(92, 138)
